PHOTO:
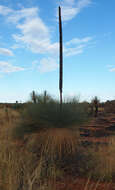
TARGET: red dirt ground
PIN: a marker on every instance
(99, 125)
(84, 184)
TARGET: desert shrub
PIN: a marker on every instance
(48, 115)
(109, 106)
(40, 98)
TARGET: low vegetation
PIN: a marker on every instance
(45, 113)
(48, 153)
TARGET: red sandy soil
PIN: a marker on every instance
(99, 124)
(84, 184)
(96, 140)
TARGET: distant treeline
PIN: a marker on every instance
(12, 105)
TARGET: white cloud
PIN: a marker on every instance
(112, 70)
(79, 41)
(5, 10)
(69, 12)
(35, 35)
(68, 2)
(5, 51)
(17, 46)
(73, 51)
(22, 14)
(71, 8)
(47, 65)
(6, 67)
(33, 32)
(83, 3)
(76, 46)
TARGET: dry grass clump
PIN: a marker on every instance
(60, 141)
(9, 156)
(54, 145)
(101, 156)
(8, 115)
(106, 160)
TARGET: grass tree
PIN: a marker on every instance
(95, 102)
(33, 97)
(60, 58)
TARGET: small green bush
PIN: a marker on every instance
(44, 115)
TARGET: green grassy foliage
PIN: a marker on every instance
(46, 113)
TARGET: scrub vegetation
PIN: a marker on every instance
(43, 148)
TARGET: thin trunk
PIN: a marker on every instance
(45, 96)
(34, 97)
(96, 110)
(61, 58)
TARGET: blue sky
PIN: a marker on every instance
(29, 48)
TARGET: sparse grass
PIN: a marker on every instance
(101, 156)
(106, 161)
